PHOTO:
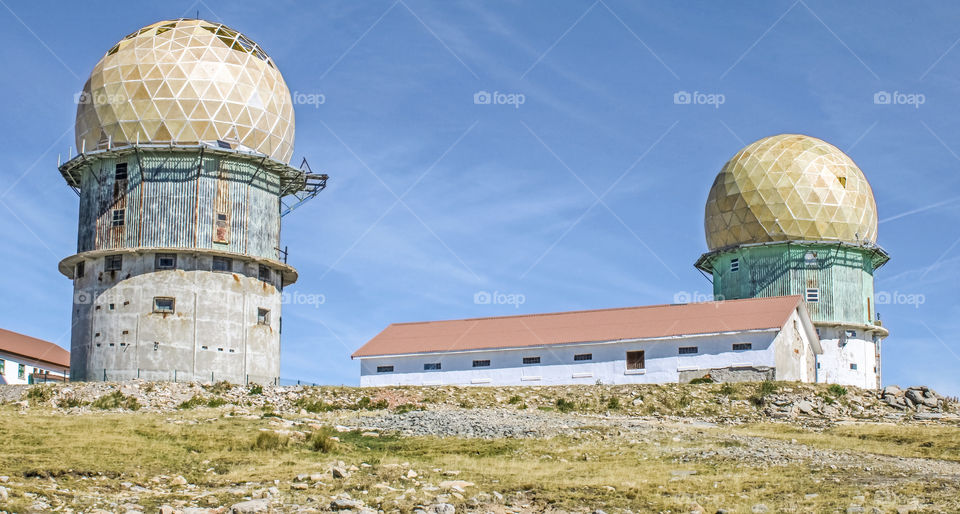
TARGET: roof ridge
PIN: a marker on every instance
(611, 309)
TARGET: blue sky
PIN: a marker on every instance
(587, 195)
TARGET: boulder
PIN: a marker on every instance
(251, 507)
(915, 395)
(891, 390)
(805, 407)
(346, 504)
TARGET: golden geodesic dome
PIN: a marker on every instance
(790, 187)
(187, 82)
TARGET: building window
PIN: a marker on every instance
(853, 366)
(531, 360)
(813, 294)
(80, 269)
(635, 360)
(118, 217)
(165, 261)
(742, 346)
(429, 366)
(481, 363)
(263, 316)
(583, 357)
(264, 273)
(222, 264)
(113, 263)
(686, 350)
(163, 304)
(818, 332)
(385, 369)
(818, 365)
(21, 371)
(810, 259)
(851, 333)
(3, 367)
(120, 172)
(734, 264)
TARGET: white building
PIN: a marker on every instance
(736, 340)
(27, 360)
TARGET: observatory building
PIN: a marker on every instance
(185, 131)
(793, 215)
(791, 226)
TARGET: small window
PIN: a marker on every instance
(21, 371)
(263, 316)
(851, 333)
(818, 332)
(222, 264)
(431, 366)
(118, 217)
(113, 263)
(813, 294)
(80, 269)
(635, 360)
(687, 350)
(853, 366)
(3, 367)
(385, 369)
(204, 347)
(734, 264)
(481, 363)
(265, 274)
(165, 261)
(112, 306)
(163, 304)
(120, 172)
(810, 259)
(583, 357)
(531, 360)
(742, 346)
(156, 346)
(818, 365)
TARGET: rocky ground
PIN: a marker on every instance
(670, 448)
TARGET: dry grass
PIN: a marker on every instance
(898, 440)
(599, 470)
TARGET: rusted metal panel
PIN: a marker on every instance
(174, 201)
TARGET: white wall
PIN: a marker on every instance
(11, 364)
(840, 352)
(557, 366)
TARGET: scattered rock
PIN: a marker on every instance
(251, 506)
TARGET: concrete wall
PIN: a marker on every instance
(212, 335)
(12, 363)
(840, 351)
(557, 366)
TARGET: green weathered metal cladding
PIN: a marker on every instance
(842, 274)
(170, 200)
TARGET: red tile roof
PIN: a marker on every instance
(646, 322)
(33, 348)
